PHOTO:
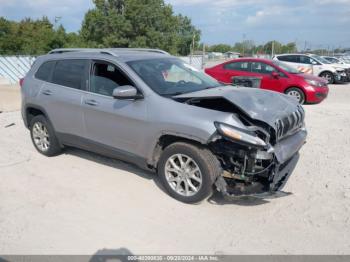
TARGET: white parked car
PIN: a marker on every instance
(336, 60)
(316, 65)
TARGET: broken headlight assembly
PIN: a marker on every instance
(239, 135)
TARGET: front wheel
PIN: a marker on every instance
(296, 93)
(188, 172)
(329, 77)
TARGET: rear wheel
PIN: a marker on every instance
(328, 76)
(44, 137)
(188, 172)
(297, 93)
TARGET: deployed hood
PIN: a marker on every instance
(266, 106)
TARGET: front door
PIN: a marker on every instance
(268, 81)
(112, 123)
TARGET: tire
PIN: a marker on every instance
(296, 93)
(45, 135)
(209, 169)
(329, 77)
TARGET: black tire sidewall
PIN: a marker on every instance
(54, 147)
(331, 75)
(207, 182)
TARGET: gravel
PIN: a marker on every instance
(82, 203)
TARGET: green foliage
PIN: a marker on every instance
(248, 47)
(121, 23)
(33, 37)
(138, 23)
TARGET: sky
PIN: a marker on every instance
(316, 23)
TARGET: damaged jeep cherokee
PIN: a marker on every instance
(154, 110)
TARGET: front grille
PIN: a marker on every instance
(290, 123)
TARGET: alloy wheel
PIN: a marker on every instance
(41, 137)
(183, 175)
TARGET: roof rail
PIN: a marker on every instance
(140, 50)
(110, 51)
(67, 50)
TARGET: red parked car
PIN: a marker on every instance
(276, 76)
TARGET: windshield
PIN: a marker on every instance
(286, 67)
(332, 60)
(320, 59)
(172, 76)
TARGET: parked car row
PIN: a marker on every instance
(317, 66)
(154, 110)
(276, 76)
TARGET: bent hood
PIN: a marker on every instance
(262, 105)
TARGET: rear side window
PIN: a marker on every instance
(70, 73)
(238, 66)
(45, 70)
(288, 58)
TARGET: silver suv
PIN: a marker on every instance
(151, 109)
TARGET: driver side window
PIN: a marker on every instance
(105, 77)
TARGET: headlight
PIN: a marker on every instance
(313, 82)
(239, 135)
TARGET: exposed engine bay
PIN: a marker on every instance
(254, 169)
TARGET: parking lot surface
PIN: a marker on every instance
(82, 203)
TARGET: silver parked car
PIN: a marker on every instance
(151, 109)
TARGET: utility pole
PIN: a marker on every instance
(57, 19)
(273, 48)
(203, 56)
(192, 48)
(243, 45)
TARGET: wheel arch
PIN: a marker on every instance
(167, 139)
(300, 88)
(326, 71)
(34, 110)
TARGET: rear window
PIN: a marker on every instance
(238, 66)
(70, 73)
(45, 70)
(288, 58)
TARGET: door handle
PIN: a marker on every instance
(47, 92)
(91, 102)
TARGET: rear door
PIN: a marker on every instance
(306, 64)
(232, 69)
(112, 123)
(291, 60)
(62, 95)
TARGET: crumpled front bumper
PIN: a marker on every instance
(287, 157)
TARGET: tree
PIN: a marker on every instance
(138, 23)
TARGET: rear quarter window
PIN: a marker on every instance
(288, 58)
(45, 70)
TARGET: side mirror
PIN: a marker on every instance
(126, 93)
(275, 74)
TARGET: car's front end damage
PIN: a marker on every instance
(258, 159)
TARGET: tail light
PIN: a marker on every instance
(21, 81)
